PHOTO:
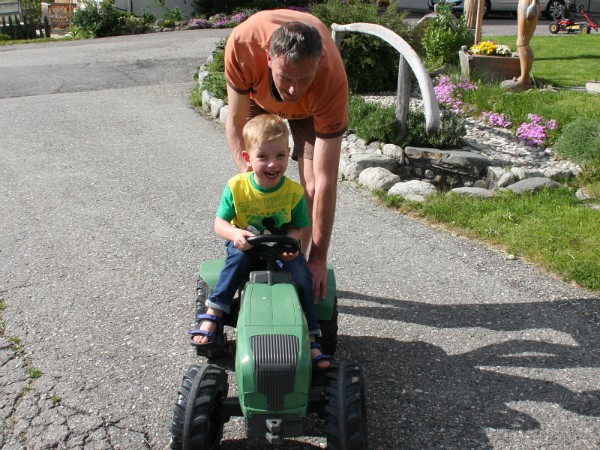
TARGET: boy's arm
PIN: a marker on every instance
(230, 233)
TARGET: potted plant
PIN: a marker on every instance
(487, 60)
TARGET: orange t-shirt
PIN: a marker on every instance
(247, 72)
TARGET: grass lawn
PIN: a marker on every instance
(563, 60)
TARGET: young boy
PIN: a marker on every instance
(253, 202)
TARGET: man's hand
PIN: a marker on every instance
(318, 270)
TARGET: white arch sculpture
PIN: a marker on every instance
(408, 57)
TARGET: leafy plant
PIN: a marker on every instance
(214, 81)
(580, 142)
(445, 36)
(371, 64)
(96, 19)
(374, 122)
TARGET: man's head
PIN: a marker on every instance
(266, 149)
(295, 50)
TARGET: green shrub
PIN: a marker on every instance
(4, 37)
(580, 142)
(374, 122)
(131, 24)
(214, 82)
(97, 20)
(371, 64)
(445, 36)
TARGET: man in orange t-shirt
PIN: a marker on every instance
(285, 62)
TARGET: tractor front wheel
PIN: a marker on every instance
(345, 408)
(585, 29)
(198, 416)
(554, 28)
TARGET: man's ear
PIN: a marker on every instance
(268, 58)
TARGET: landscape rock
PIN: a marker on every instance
(533, 185)
(506, 179)
(523, 173)
(206, 99)
(456, 161)
(215, 106)
(378, 178)
(393, 151)
(473, 192)
(351, 165)
(413, 187)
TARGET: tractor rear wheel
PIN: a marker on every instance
(554, 28)
(585, 29)
(329, 331)
(198, 416)
(345, 408)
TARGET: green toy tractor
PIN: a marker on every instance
(276, 384)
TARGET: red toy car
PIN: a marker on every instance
(568, 25)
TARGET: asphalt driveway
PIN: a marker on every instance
(108, 186)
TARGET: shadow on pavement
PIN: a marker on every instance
(422, 397)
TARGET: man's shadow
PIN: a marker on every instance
(421, 397)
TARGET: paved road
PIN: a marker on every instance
(108, 185)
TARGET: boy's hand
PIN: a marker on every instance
(240, 241)
(287, 256)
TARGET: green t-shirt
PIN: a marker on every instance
(245, 204)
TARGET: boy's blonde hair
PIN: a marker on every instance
(264, 128)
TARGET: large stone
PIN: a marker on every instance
(473, 192)
(353, 164)
(413, 187)
(506, 179)
(523, 174)
(533, 185)
(455, 161)
(393, 151)
(378, 178)
(206, 99)
(215, 106)
(223, 114)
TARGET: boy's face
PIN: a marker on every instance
(269, 161)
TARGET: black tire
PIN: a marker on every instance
(329, 332)
(202, 293)
(585, 29)
(554, 9)
(554, 28)
(345, 408)
(487, 7)
(198, 416)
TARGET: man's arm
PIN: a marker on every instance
(325, 168)
(237, 111)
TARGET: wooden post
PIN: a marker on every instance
(403, 94)
(479, 22)
(47, 28)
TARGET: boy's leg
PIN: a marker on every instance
(237, 267)
(303, 280)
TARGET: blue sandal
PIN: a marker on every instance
(216, 341)
(322, 357)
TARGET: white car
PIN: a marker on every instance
(550, 8)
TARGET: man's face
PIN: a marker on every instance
(292, 80)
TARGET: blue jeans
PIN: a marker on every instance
(238, 266)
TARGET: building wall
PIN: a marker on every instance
(139, 7)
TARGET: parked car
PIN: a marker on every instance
(550, 8)
(589, 6)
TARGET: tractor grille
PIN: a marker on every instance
(275, 359)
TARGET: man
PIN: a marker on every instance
(285, 62)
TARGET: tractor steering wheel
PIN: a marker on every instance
(273, 244)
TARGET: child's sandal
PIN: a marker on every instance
(216, 341)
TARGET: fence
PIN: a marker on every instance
(26, 28)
